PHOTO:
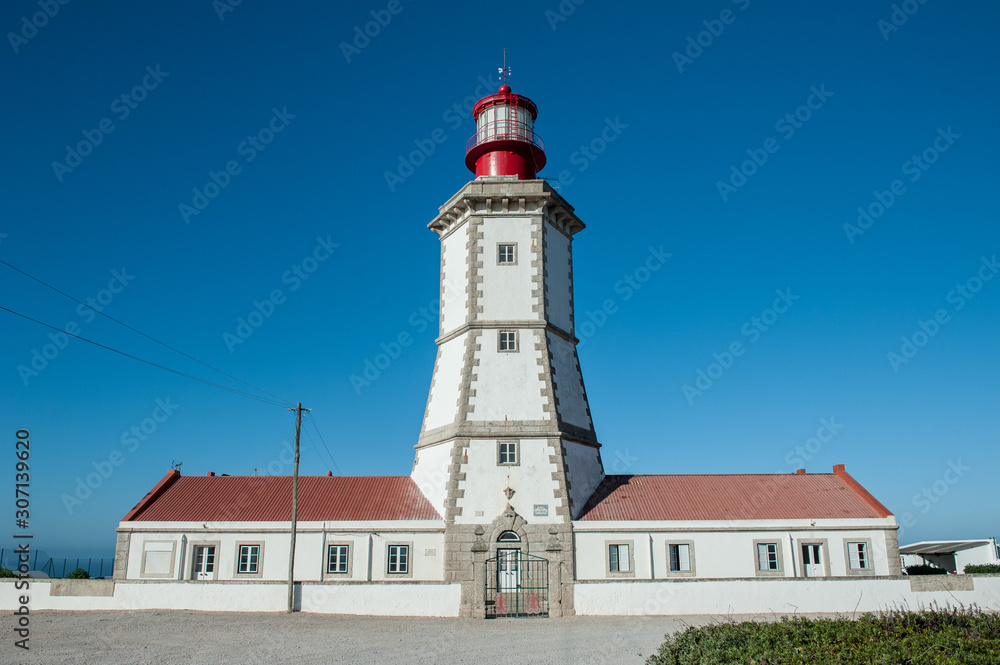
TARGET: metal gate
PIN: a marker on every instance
(517, 585)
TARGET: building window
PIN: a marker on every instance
(680, 558)
(336, 559)
(508, 537)
(506, 254)
(399, 560)
(508, 340)
(619, 558)
(507, 452)
(769, 563)
(857, 556)
(248, 560)
(767, 556)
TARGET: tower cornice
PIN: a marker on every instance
(506, 195)
(507, 323)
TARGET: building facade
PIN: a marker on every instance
(508, 507)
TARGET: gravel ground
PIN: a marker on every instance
(163, 638)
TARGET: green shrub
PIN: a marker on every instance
(982, 568)
(925, 569)
(5, 573)
(78, 574)
(942, 637)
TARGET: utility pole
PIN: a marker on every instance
(295, 505)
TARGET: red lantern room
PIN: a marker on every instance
(505, 142)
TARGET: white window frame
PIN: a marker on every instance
(393, 550)
(851, 545)
(779, 570)
(690, 571)
(347, 564)
(507, 341)
(624, 553)
(501, 246)
(508, 457)
(239, 556)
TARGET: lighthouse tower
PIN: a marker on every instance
(507, 452)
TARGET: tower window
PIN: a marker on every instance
(507, 453)
(506, 254)
(508, 340)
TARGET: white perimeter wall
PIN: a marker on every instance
(721, 597)
(386, 599)
(775, 595)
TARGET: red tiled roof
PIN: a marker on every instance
(269, 498)
(732, 497)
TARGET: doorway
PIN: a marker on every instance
(812, 560)
(517, 585)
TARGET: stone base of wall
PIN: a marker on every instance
(941, 583)
(104, 588)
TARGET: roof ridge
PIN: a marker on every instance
(840, 471)
(153, 494)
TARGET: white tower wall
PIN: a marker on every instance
(454, 279)
(442, 401)
(483, 395)
(506, 290)
(558, 279)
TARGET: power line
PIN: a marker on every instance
(142, 360)
(319, 453)
(312, 419)
(150, 337)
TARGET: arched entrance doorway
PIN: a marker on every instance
(517, 584)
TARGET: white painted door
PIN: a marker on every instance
(812, 564)
(204, 562)
(508, 570)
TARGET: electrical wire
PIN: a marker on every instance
(312, 419)
(148, 362)
(150, 337)
(319, 453)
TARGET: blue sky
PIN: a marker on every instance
(745, 137)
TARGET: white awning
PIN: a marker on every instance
(942, 546)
